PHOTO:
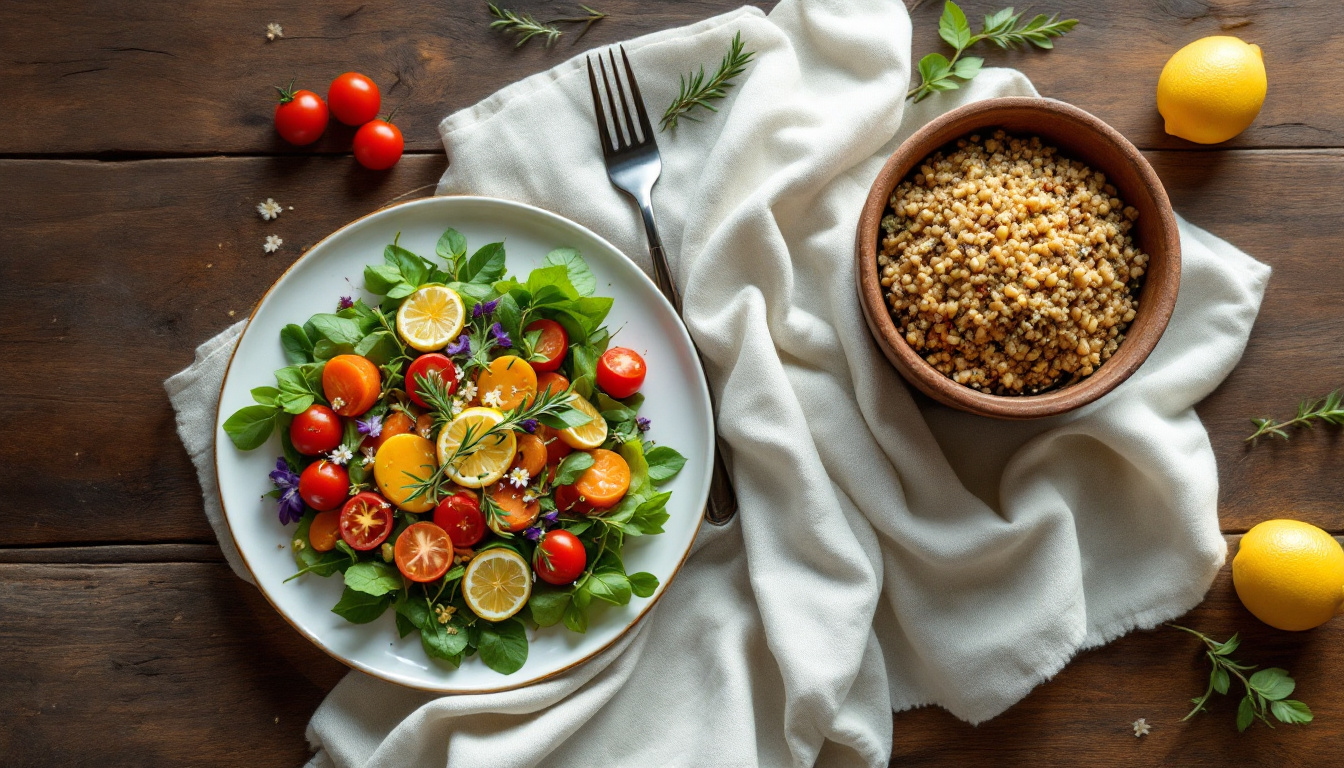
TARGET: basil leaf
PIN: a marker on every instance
(576, 618)
(359, 607)
(1273, 683)
(325, 349)
(404, 626)
(401, 291)
(298, 348)
(569, 417)
(572, 466)
(643, 584)
(379, 347)
(1290, 711)
(373, 578)
(609, 585)
(451, 246)
(486, 265)
(583, 363)
(548, 606)
(555, 278)
(580, 276)
(591, 310)
(413, 269)
(295, 403)
(339, 330)
(633, 453)
(318, 563)
(664, 463)
(380, 278)
(249, 427)
(415, 611)
(509, 316)
(503, 646)
(953, 27)
(265, 395)
(444, 641)
(1245, 713)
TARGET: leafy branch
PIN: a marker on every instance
(1329, 409)
(1266, 690)
(526, 26)
(696, 92)
(1004, 29)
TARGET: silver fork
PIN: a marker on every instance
(633, 164)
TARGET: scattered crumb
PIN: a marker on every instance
(272, 244)
(1141, 727)
(231, 313)
(274, 30)
(211, 264)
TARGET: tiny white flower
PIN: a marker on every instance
(528, 498)
(458, 405)
(493, 398)
(273, 243)
(269, 209)
(519, 477)
(468, 390)
(342, 454)
(1141, 727)
(458, 372)
(368, 455)
(273, 31)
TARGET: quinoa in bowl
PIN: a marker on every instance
(1009, 267)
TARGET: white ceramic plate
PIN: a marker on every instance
(677, 402)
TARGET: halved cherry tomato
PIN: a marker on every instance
(366, 520)
(569, 499)
(552, 382)
(531, 454)
(316, 430)
(423, 552)
(324, 485)
(553, 343)
(301, 116)
(606, 481)
(460, 515)
(353, 98)
(512, 378)
(620, 372)
(324, 531)
(556, 449)
(559, 558)
(518, 514)
(431, 366)
(378, 145)
(351, 384)
(397, 423)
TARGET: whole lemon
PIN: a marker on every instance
(1212, 89)
(1289, 574)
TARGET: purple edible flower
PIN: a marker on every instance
(529, 425)
(501, 338)
(459, 347)
(291, 504)
(550, 517)
(533, 533)
(370, 425)
(345, 303)
(485, 308)
(643, 424)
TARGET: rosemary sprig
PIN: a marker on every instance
(695, 92)
(938, 73)
(523, 25)
(1329, 409)
(592, 18)
(1266, 690)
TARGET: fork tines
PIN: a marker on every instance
(628, 139)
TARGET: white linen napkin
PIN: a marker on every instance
(889, 553)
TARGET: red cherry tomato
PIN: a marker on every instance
(378, 145)
(366, 520)
(423, 552)
(427, 366)
(353, 98)
(620, 372)
(316, 430)
(300, 117)
(559, 558)
(460, 515)
(324, 485)
(553, 343)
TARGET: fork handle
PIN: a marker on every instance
(722, 504)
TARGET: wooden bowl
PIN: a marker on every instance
(1079, 136)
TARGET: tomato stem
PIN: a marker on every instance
(287, 92)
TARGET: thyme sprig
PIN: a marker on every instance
(1329, 409)
(696, 92)
(526, 26)
(1266, 690)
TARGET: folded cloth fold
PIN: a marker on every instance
(889, 553)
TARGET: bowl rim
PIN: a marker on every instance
(1159, 291)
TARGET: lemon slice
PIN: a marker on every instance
(483, 460)
(431, 317)
(497, 584)
(585, 436)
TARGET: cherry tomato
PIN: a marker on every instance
(301, 116)
(460, 515)
(556, 449)
(429, 366)
(396, 423)
(351, 383)
(378, 145)
(531, 455)
(560, 558)
(551, 382)
(366, 520)
(512, 377)
(324, 485)
(353, 98)
(316, 430)
(620, 372)
(606, 481)
(423, 552)
(324, 531)
(553, 343)
(518, 513)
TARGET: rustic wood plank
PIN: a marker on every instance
(152, 76)
(114, 554)
(127, 311)
(151, 665)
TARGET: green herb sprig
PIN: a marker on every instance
(1266, 690)
(526, 26)
(1329, 409)
(1004, 29)
(697, 92)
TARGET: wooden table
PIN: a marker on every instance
(135, 141)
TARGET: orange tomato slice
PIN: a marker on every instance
(508, 383)
(325, 530)
(518, 514)
(606, 481)
(531, 454)
(351, 384)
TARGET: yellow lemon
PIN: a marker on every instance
(585, 436)
(400, 462)
(1289, 574)
(497, 584)
(431, 317)
(478, 456)
(1212, 89)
